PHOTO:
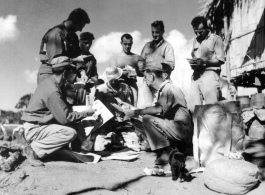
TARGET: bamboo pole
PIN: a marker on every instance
(228, 75)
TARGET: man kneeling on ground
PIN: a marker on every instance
(168, 123)
(48, 119)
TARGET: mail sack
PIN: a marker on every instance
(231, 176)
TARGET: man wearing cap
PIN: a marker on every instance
(168, 122)
(158, 50)
(78, 97)
(128, 61)
(48, 119)
(62, 40)
(208, 56)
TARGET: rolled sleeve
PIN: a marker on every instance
(219, 50)
(143, 53)
(169, 56)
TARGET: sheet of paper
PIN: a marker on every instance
(100, 117)
(125, 154)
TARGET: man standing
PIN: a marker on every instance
(126, 57)
(62, 40)
(78, 96)
(48, 119)
(155, 50)
(168, 122)
(208, 56)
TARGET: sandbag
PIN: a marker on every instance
(231, 176)
(220, 133)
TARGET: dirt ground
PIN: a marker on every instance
(61, 177)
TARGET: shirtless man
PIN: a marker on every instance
(128, 61)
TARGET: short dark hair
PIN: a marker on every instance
(158, 23)
(59, 70)
(156, 72)
(199, 20)
(79, 15)
(126, 36)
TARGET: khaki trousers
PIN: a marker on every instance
(204, 86)
(45, 139)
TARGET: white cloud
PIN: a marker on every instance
(31, 76)
(8, 28)
(108, 45)
(182, 50)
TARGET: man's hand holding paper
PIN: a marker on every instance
(129, 113)
(90, 110)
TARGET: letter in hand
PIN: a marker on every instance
(78, 59)
(192, 62)
(125, 71)
(84, 77)
(200, 62)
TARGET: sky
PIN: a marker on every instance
(23, 24)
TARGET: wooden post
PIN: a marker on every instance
(227, 63)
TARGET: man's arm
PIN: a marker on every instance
(218, 57)
(143, 53)
(169, 56)
(152, 110)
(140, 66)
(55, 45)
(157, 109)
(94, 72)
(62, 113)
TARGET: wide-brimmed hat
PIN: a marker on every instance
(112, 72)
(61, 61)
(86, 36)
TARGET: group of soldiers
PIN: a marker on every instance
(50, 122)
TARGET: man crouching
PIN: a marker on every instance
(167, 123)
(48, 119)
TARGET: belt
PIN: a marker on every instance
(203, 70)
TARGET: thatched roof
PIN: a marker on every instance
(206, 5)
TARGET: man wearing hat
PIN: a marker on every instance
(112, 89)
(78, 97)
(111, 94)
(128, 62)
(48, 119)
(62, 40)
(167, 123)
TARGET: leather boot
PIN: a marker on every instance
(163, 156)
(32, 157)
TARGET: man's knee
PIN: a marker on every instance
(69, 132)
(150, 122)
